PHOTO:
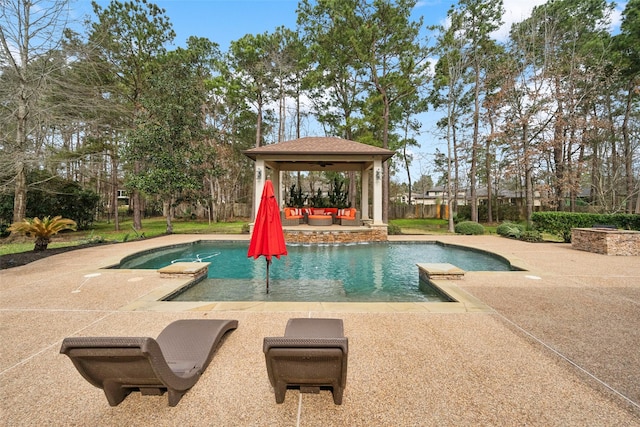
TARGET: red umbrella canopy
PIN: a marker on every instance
(268, 238)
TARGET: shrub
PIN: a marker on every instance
(318, 200)
(339, 197)
(393, 229)
(469, 227)
(510, 229)
(531, 236)
(43, 229)
(296, 198)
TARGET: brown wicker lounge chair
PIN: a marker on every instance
(311, 355)
(173, 362)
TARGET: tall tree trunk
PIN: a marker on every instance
(456, 172)
(20, 192)
(528, 168)
(169, 213)
(385, 165)
(627, 149)
(487, 166)
(281, 112)
(259, 121)
(114, 191)
(474, 149)
(558, 144)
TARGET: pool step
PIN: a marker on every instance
(438, 271)
(185, 269)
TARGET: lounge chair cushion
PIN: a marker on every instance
(173, 362)
(312, 354)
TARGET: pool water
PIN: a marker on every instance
(372, 272)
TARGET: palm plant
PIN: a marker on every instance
(43, 229)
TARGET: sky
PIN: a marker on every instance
(223, 21)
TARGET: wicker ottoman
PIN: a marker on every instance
(320, 220)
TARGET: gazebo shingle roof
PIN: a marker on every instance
(320, 146)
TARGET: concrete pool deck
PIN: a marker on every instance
(554, 345)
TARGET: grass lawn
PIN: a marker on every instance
(105, 232)
(421, 226)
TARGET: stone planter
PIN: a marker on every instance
(606, 241)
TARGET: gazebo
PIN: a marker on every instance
(322, 154)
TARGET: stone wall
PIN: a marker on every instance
(606, 241)
(375, 234)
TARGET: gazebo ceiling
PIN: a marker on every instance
(319, 154)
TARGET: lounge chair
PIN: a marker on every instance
(311, 355)
(173, 362)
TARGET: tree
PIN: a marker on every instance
(230, 126)
(449, 93)
(410, 129)
(422, 184)
(386, 43)
(627, 44)
(474, 21)
(337, 80)
(169, 133)
(397, 63)
(30, 34)
(128, 37)
(251, 61)
(571, 43)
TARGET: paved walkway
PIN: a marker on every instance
(555, 345)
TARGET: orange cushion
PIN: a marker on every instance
(291, 213)
(349, 213)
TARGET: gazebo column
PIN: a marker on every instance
(276, 177)
(260, 176)
(377, 192)
(364, 202)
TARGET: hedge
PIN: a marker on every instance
(469, 227)
(561, 223)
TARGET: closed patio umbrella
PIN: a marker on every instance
(267, 238)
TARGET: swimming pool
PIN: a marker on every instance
(372, 272)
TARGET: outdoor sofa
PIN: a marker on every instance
(295, 216)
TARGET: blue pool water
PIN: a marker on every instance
(372, 272)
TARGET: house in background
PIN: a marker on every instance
(507, 197)
(428, 205)
(436, 196)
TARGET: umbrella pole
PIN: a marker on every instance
(268, 262)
